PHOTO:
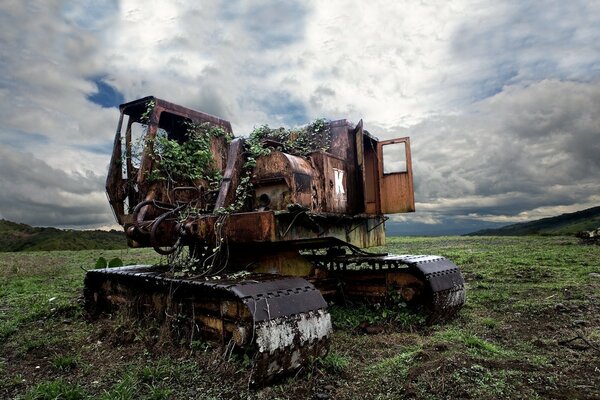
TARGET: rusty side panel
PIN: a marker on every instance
(238, 228)
(333, 186)
(264, 227)
(343, 147)
(115, 189)
(396, 189)
(284, 179)
(369, 232)
(231, 177)
(195, 116)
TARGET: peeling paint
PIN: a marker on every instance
(280, 333)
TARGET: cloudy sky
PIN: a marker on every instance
(501, 99)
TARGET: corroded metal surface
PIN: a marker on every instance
(332, 197)
(347, 180)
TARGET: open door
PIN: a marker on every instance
(396, 192)
(360, 166)
(367, 170)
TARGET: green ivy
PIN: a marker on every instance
(192, 159)
(187, 161)
(303, 141)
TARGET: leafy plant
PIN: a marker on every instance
(189, 160)
(113, 263)
(396, 314)
(125, 389)
(303, 141)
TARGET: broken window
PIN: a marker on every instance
(394, 158)
(174, 127)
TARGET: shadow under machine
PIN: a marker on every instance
(260, 233)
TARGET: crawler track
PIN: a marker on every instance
(437, 280)
(281, 321)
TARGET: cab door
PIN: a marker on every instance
(396, 192)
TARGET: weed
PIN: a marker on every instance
(334, 362)
(155, 373)
(65, 363)
(350, 317)
(490, 323)
(158, 393)
(125, 389)
(103, 263)
(483, 383)
(56, 389)
(396, 366)
(7, 328)
(200, 346)
(475, 344)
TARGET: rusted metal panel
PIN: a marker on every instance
(284, 261)
(161, 105)
(368, 232)
(333, 186)
(231, 177)
(343, 147)
(240, 227)
(282, 179)
(342, 144)
(115, 188)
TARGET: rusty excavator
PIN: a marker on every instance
(264, 235)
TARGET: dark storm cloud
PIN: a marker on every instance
(526, 148)
(519, 42)
(35, 193)
(284, 107)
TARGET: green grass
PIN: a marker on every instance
(397, 366)
(56, 390)
(523, 296)
(65, 362)
(334, 362)
(474, 344)
(22, 237)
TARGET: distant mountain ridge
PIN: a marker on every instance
(565, 224)
(22, 237)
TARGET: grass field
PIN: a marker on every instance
(530, 329)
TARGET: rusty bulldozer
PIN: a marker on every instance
(260, 233)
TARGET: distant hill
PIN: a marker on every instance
(22, 237)
(565, 224)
